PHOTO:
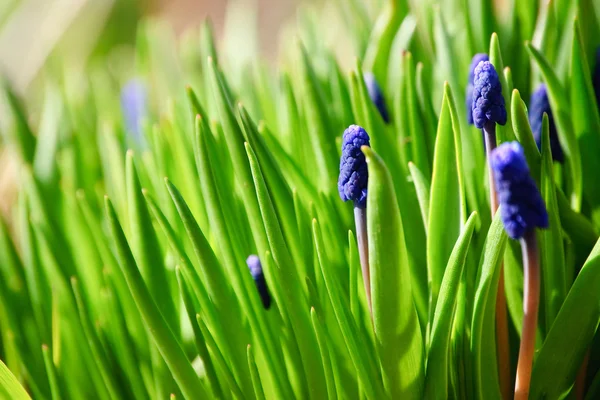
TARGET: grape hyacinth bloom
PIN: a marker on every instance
(134, 107)
(596, 77)
(477, 58)
(488, 109)
(376, 95)
(522, 205)
(538, 105)
(352, 185)
(259, 279)
(522, 210)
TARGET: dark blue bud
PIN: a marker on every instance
(376, 95)
(488, 103)
(259, 279)
(521, 205)
(596, 77)
(477, 58)
(133, 106)
(354, 175)
(538, 105)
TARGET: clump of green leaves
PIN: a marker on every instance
(145, 293)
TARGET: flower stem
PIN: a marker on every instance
(502, 344)
(360, 218)
(531, 300)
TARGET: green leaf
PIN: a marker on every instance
(446, 203)
(145, 247)
(422, 187)
(325, 354)
(483, 333)
(552, 253)
(382, 36)
(199, 339)
(170, 349)
(586, 121)
(437, 372)
(363, 360)
(394, 315)
(563, 351)
(520, 122)
(258, 389)
(10, 386)
(51, 371)
(22, 137)
(95, 344)
(295, 300)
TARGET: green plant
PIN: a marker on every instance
(145, 293)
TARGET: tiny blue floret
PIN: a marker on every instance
(488, 103)
(477, 58)
(258, 276)
(538, 105)
(376, 95)
(354, 175)
(521, 205)
(133, 106)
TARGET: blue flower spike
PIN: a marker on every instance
(352, 185)
(133, 106)
(354, 175)
(522, 210)
(258, 276)
(477, 58)
(376, 95)
(538, 105)
(488, 103)
(522, 207)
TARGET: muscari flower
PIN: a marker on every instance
(133, 106)
(354, 175)
(538, 105)
(596, 77)
(477, 58)
(256, 271)
(376, 95)
(522, 207)
(488, 103)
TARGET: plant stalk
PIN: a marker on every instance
(531, 300)
(360, 219)
(502, 344)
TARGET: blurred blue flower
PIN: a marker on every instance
(488, 103)
(134, 107)
(477, 58)
(376, 95)
(354, 175)
(538, 105)
(521, 205)
(256, 271)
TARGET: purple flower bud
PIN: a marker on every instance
(354, 175)
(133, 106)
(376, 95)
(538, 105)
(477, 58)
(521, 205)
(259, 279)
(488, 103)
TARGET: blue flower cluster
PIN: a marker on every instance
(354, 175)
(538, 105)
(488, 103)
(522, 207)
(259, 279)
(477, 58)
(376, 95)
